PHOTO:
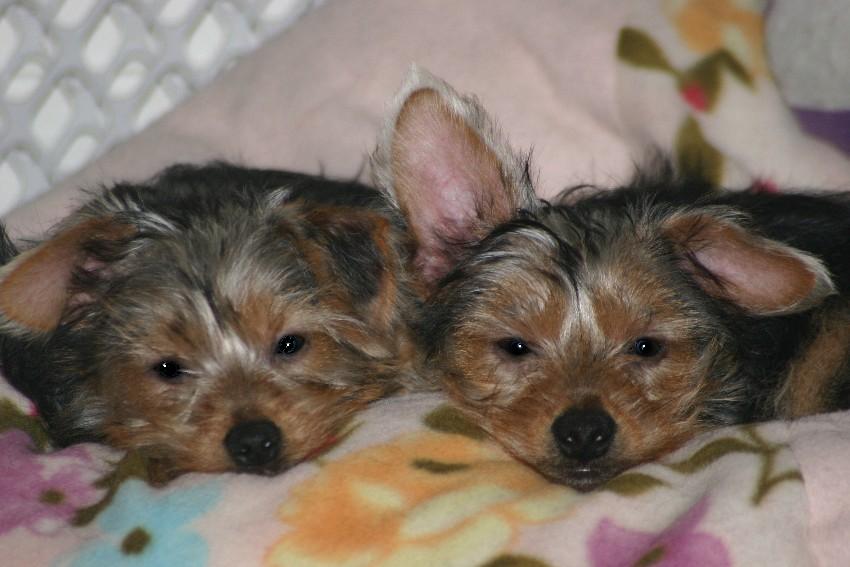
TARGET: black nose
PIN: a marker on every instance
(584, 434)
(253, 444)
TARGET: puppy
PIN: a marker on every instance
(216, 318)
(608, 328)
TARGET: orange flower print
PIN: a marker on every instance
(428, 498)
(709, 25)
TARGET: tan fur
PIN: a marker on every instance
(808, 388)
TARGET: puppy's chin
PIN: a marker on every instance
(163, 468)
(587, 479)
(582, 477)
(269, 469)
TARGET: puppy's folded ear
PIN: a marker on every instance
(760, 275)
(362, 253)
(450, 171)
(40, 287)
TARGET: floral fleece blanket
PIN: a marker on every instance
(414, 484)
(411, 483)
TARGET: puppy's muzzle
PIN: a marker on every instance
(254, 444)
(584, 434)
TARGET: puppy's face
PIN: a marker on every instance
(243, 366)
(242, 339)
(580, 366)
(584, 338)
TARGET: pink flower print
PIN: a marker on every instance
(680, 545)
(38, 491)
(695, 96)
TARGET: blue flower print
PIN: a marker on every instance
(147, 527)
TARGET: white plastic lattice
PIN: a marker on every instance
(76, 76)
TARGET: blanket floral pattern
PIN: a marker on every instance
(699, 68)
(429, 497)
(435, 492)
(416, 485)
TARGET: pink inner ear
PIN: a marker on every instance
(34, 292)
(764, 277)
(449, 182)
(34, 287)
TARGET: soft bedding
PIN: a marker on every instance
(593, 87)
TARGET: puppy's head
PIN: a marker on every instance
(588, 338)
(215, 327)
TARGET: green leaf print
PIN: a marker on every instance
(695, 156)
(13, 418)
(633, 484)
(438, 467)
(447, 419)
(709, 454)
(639, 49)
(515, 561)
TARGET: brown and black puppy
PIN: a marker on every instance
(215, 317)
(605, 330)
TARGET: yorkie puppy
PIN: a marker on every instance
(216, 318)
(605, 330)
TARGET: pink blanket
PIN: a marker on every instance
(590, 85)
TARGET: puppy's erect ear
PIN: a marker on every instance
(760, 275)
(450, 171)
(37, 287)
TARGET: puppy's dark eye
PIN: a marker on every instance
(168, 369)
(515, 347)
(647, 347)
(289, 345)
